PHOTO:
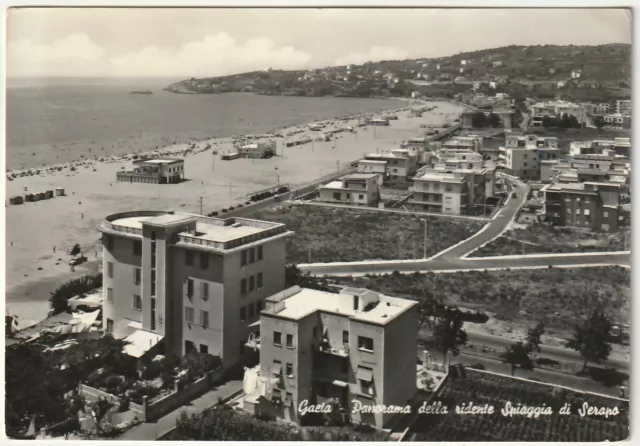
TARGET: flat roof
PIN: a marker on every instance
(160, 160)
(140, 342)
(333, 185)
(359, 176)
(218, 233)
(164, 219)
(308, 301)
(372, 161)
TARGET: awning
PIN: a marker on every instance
(255, 324)
(276, 369)
(140, 342)
(340, 383)
(364, 374)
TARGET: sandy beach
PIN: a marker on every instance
(34, 229)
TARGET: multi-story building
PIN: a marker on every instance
(155, 171)
(356, 347)
(602, 108)
(373, 166)
(178, 282)
(619, 147)
(472, 142)
(558, 108)
(586, 205)
(401, 165)
(362, 189)
(446, 192)
(623, 106)
(458, 160)
(617, 121)
(257, 150)
(522, 155)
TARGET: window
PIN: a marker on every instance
(277, 367)
(204, 292)
(259, 281)
(204, 318)
(137, 276)
(277, 339)
(251, 283)
(361, 197)
(251, 312)
(577, 211)
(345, 337)
(137, 302)
(289, 370)
(290, 341)
(568, 210)
(243, 313)
(252, 256)
(137, 248)
(189, 347)
(365, 343)
(204, 349)
(189, 287)
(110, 295)
(365, 379)
(587, 212)
(605, 214)
(204, 260)
(243, 258)
(243, 286)
(315, 332)
(109, 242)
(188, 258)
(109, 326)
(355, 302)
(336, 196)
(110, 269)
(260, 252)
(188, 314)
(153, 282)
(153, 235)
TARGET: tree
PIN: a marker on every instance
(518, 356)
(534, 337)
(494, 120)
(448, 333)
(99, 410)
(591, 338)
(598, 121)
(76, 249)
(294, 276)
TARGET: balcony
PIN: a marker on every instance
(340, 352)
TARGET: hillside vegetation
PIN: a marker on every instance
(604, 71)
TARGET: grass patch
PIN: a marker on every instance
(346, 235)
(557, 297)
(541, 238)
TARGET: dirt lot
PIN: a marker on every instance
(344, 235)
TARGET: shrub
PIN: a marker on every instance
(74, 287)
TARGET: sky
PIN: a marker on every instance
(140, 42)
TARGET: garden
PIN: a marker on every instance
(557, 297)
(222, 423)
(542, 238)
(326, 234)
(497, 390)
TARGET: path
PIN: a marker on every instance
(154, 430)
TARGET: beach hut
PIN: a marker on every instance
(38, 196)
(60, 192)
(48, 194)
(28, 197)
(16, 200)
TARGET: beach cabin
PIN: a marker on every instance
(230, 156)
(16, 200)
(59, 192)
(48, 194)
(378, 122)
(38, 196)
(28, 198)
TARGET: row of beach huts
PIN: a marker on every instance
(38, 196)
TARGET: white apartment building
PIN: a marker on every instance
(623, 107)
(522, 155)
(445, 192)
(175, 283)
(472, 142)
(361, 189)
(401, 165)
(357, 347)
(373, 166)
(617, 121)
(557, 108)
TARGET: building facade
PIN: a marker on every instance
(258, 150)
(154, 171)
(360, 189)
(401, 166)
(445, 192)
(587, 205)
(356, 347)
(189, 282)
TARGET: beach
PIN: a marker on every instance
(92, 193)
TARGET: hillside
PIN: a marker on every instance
(605, 69)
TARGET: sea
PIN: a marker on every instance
(57, 120)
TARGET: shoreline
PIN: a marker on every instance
(92, 193)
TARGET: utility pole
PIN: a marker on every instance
(200, 205)
(522, 244)
(425, 236)
(309, 255)
(230, 193)
(338, 167)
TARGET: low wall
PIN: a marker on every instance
(92, 392)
